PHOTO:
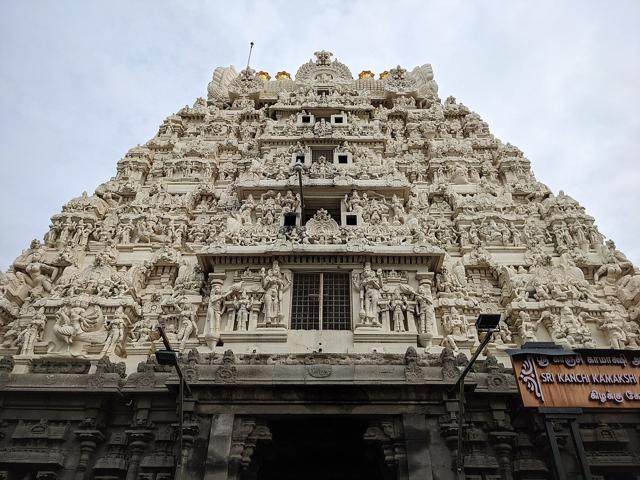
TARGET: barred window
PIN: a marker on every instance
(321, 301)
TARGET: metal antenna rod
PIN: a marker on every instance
(249, 59)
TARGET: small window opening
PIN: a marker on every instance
(343, 159)
(306, 118)
(300, 158)
(338, 120)
(322, 91)
(290, 219)
(352, 220)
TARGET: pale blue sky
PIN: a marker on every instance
(81, 82)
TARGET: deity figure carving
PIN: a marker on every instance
(37, 274)
(527, 329)
(116, 328)
(426, 312)
(142, 330)
(452, 279)
(615, 264)
(76, 318)
(566, 329)
(215, 309)
(322, 128)
(398, 305)
(243, 307)
(274, 283)
(33, 333)
(614, 331)
(503, 335)
(322, 168)
(188, 325)
(369, 284)
(455, 324)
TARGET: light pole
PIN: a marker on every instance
(298, 168)
(170, 357)
(488, 323)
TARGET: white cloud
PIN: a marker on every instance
(82, 82)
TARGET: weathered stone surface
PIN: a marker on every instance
(204, 231)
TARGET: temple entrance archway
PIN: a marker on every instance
(319, 448)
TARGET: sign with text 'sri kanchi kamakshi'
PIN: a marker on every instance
(588, 379)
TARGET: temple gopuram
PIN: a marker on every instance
(316, 249)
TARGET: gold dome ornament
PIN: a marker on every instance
(365, 74)
(283, 75)
(263, 75)
(384, 74)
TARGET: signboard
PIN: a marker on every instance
(587, 379)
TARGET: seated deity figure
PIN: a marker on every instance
(615, 265)
(527, 329)
(455, 324)
(141, 331)
(322, 168)
(614, 331)
(39, 275)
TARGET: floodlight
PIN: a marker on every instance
(487, 322)
(167, 357)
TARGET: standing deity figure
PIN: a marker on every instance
(398, 306)
(115, 327)
(188, 326)
(426, 312)
(217, 307)
(274, 283)
(32, 333)
(215, 310)
(370, 285)
(243, 307)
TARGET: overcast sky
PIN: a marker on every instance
(81, 82)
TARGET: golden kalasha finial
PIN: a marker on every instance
(366, 74)
(263, 75)
(384, 74)
(283, 75)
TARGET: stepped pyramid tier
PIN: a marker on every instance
(412, 219)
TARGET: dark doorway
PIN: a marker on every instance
(324, 448)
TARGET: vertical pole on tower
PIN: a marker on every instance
(250, 49)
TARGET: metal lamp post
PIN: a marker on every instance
(298, 168)
(488, 323)
(170, 357)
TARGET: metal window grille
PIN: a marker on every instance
(305, 305)
(321, 301)
(326, 153)
(336, 305)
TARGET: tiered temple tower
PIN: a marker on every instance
(316, 245)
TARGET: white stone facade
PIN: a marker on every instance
(203, 230)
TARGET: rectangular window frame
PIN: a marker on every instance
(344, 324)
